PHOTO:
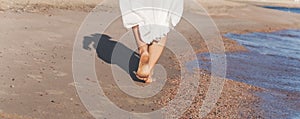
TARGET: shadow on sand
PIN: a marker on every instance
(113, 52)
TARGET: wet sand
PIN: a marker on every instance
(36, 69)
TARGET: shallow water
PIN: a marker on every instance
(273, 63)
(294, 10)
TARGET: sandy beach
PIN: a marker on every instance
(36, 44)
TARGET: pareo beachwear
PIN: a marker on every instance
(155, 18)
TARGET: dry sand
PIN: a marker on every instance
(36, 44)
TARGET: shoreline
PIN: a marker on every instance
(59, 26)
(288, 3)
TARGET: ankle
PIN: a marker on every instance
(142, 51)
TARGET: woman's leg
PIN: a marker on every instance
(143, 69)
(155, 51)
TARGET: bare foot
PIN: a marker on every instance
(143, 69)
(148, 80)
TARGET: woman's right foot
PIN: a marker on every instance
(143, 69)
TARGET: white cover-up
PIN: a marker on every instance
(154, 17)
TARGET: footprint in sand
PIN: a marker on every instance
(4, 115)
(51, 92)
(3, 93)
(72, 84)
(60, 74)
(54, 36)
(54, 92)
(35, 77)
(22, 62)
(37, 60)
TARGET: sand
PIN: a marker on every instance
(36, 42)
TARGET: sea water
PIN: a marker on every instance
(294, 10)
(273, 63)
